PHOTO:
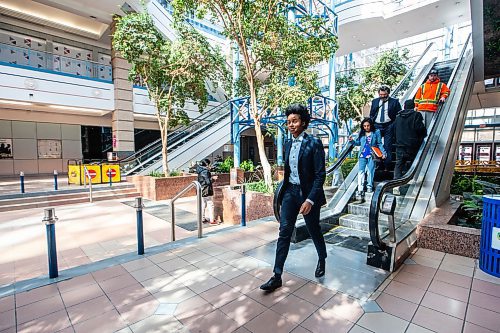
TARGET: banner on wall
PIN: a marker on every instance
(5, 148)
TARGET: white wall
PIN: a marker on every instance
(26, 85)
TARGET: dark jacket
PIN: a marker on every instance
(393, 107)
(409, 130)
(311, 169)
(205, 180)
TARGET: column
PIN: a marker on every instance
(123, 115)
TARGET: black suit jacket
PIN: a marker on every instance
(393, 108)
(311, 169)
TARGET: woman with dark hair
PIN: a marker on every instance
(368, 137)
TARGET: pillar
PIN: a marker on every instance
(122, 122)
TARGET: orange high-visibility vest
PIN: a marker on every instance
(428, 95)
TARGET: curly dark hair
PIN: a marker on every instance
(301, 110)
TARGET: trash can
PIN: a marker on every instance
(489, 252)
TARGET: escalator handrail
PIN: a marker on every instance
(395, 91)
(343, 155)
(188, 136)
(177, 131)
(278, 193)
(408, 176)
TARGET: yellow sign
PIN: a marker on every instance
(74, 174)
(114, 169)
(94, 172)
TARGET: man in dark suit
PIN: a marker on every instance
(383, 112)
(303, 191)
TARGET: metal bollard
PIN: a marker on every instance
(21, 176)
(243, 206)
(55, 180)
(140, 231)
(50, 219)
(110, 177)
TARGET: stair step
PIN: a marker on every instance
(359, 222)
(63, 196)
(75, 200)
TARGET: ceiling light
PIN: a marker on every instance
(3, 101)
(353, 36)
(398, 22)
(436, 6)
(364, 44)
(72, 108)
(460, 16)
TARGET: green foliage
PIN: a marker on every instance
(156, 174)
(175, 173)
(226, 165)
(260, 186)
(355, 88)
(172, 71)
(247, 165)
(347, 166)
(273, 50)
(461, 184)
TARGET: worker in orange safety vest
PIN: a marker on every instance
(429, 95)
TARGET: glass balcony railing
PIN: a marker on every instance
(49, 62)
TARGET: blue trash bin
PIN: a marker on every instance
(489, 252)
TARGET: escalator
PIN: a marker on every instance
(363, 228)
(200, 138)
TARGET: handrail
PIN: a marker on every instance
(389, 184)
(175, 137)
(87, 174)
(176, 132)
(278, 193)
(197, 185)
(412, 69)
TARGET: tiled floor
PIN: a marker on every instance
(212, 284)
(177, 290)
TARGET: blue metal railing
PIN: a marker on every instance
(49, 62)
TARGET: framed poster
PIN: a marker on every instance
(5, 148)
(49, 149)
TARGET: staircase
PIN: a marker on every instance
(65, 197)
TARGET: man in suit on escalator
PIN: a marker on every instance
(383, 112)
(303, 192)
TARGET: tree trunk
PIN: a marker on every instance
(163, 123)
(266, 167)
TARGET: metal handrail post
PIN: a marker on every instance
(87, 174)
(197, 185)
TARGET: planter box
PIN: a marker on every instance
(228, 205)
(155, 188)
(435, 233)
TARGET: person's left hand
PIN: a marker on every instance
(305, 208)
(442, 99)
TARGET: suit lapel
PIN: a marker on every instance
(288, 146)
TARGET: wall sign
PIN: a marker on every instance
(5, 148)
(49, 149)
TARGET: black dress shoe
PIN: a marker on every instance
(320, 269)
(273, 284)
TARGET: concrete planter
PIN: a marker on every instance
(436, 233)
(228, 205)
(162, 188)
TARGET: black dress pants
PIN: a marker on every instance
(292, 200)
(387, 132)
(404, 159)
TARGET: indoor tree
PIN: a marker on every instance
(173, 72)
(274, 52)
(356, 88)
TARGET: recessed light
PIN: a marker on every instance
(460, 16)
(364, 44)
(398, 22)
(436, 6)
(353, 36)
